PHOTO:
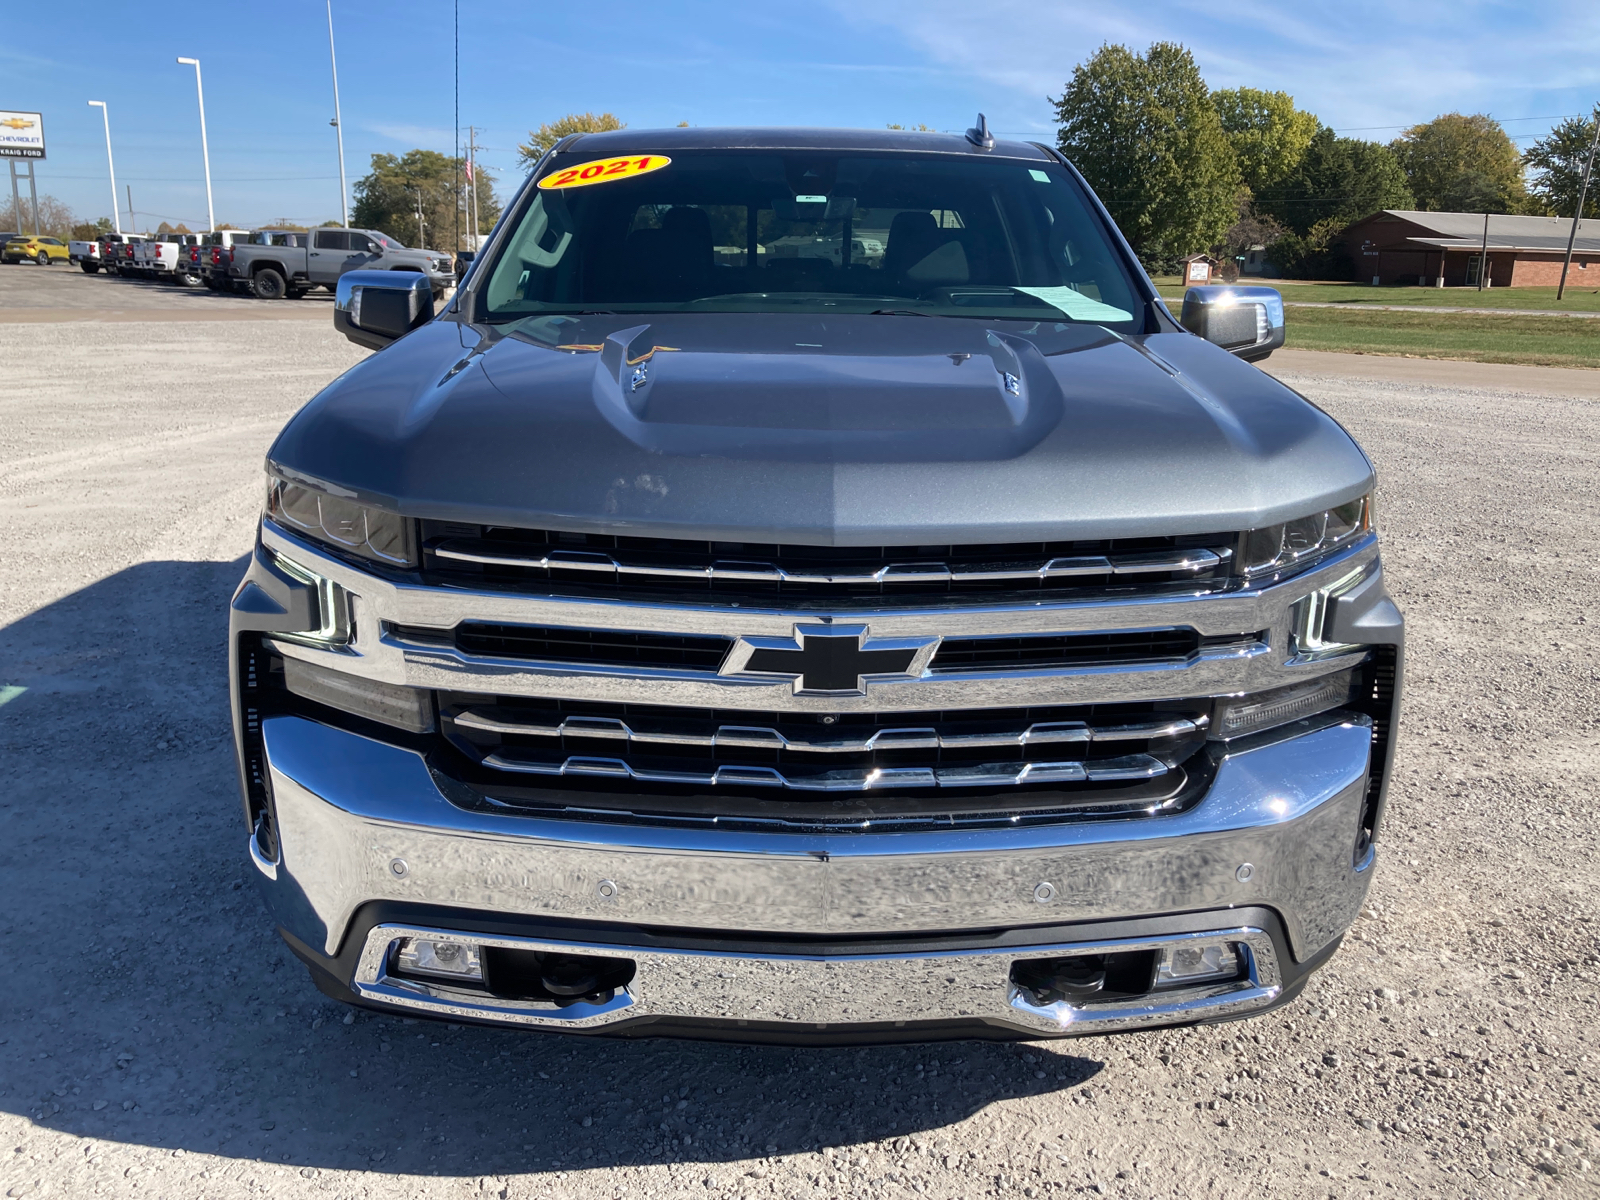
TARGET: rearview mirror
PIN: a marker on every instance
(1246, 321)
(374, 308)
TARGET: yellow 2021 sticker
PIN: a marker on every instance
(605, 170)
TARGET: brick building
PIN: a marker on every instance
(1443, 249)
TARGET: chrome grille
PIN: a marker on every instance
(977, 749)
(521, 557)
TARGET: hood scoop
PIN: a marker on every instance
(966, 393)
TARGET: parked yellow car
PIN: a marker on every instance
(43, 250)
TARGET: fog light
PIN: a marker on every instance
(450, 960)
(1197, 961)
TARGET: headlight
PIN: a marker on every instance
(373, 533)
(1298, 544)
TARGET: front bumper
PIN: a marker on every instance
(364, 826)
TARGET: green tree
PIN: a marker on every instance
(1439, 156)
(1146, 136)
(1557, 163)
(1338, 179)
(388, 196)
(548, 134)
(914, 128)
(1268, 133)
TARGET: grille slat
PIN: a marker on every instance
(507, 557)
(860, 779)
(761, 738)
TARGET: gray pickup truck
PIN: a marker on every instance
(931, 639)
(276, 263)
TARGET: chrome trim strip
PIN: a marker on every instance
(1194, 560)
(348, 807)
(859, 779)
(262, 863)
(824, 991)
(762, 738)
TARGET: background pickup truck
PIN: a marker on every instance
(216, 255)
(166, 256)
(85, 255)
(291, 264)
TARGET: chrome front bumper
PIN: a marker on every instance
(360, 821)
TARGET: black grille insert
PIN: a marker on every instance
(598, 646)
(605, 647)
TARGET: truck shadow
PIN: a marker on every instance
(160, 1008)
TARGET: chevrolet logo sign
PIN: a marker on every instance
(830, 660)
(16, 123)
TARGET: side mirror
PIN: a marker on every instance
(1247, 321)
(374, 308)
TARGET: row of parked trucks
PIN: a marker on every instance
(269, 263)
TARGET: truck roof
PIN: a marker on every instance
(628, 141)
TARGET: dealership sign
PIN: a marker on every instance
(21, 135)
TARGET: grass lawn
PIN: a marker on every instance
(1537, 341)
(1583, 294)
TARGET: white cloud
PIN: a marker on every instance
(1359, 63)
(425, 136)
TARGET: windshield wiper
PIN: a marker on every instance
(908, 312)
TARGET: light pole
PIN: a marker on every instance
(116, 218)
(333, 61)
(205, 151)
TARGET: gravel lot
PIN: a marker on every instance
(157, 1040)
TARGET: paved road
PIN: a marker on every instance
(156, 1040)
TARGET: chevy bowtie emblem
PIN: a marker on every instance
(830, 660)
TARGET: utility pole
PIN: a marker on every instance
(116, 219)
(1583, 194)
(472, 165)
(1483, 258)
(205, 151)
(344, 192)
(133, 226)
(421, 244)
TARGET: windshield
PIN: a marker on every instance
(798, 231)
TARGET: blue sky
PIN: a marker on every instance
(1364, 67)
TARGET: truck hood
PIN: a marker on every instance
(851, 430)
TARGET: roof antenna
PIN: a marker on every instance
(979, 134)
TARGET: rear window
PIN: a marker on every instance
(770, 231)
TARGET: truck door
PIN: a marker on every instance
(325, 258)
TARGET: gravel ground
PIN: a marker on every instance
(157, 1040)
(61, 292)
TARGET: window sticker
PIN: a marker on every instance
(604, 170)
(1075, 304)
(1041, 176)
